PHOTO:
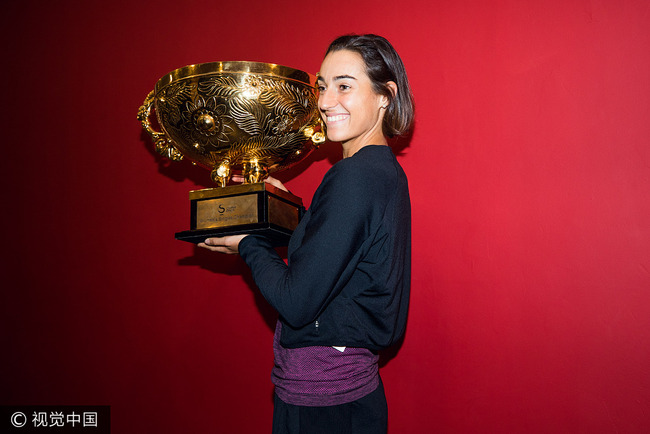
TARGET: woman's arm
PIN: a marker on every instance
(330, 246)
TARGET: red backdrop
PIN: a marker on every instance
(529, 170)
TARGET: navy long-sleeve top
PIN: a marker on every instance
(347, 278)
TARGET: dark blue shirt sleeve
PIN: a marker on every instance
(339, 223)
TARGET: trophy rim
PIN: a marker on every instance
(236, 67)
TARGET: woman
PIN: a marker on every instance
(344, 293)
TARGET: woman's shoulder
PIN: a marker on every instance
(371, 169)
(368, 160)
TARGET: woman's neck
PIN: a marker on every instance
(351, 147)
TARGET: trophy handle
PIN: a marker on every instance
(164, 145)
(317, 137)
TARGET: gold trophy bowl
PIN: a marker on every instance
(237, 118)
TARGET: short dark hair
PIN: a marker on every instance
(383, 64)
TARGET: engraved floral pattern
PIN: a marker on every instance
(253, 86)
(205, 122)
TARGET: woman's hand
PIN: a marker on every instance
(276, 183)
(228, 245)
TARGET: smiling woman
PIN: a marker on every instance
(385, 69)
(344, 293)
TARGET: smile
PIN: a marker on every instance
(336, 118)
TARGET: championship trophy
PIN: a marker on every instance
(243, 119)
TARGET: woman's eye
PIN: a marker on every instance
(321, 88)
(344, 87)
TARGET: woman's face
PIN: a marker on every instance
(348, 105)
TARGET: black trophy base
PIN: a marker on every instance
(259, 209)
(278, 236)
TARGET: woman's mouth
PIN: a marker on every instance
(335, 118)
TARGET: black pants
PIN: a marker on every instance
(368, 415)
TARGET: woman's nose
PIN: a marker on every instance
(326, 99)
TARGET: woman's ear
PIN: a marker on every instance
(393, 89)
